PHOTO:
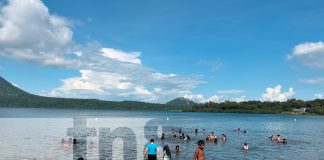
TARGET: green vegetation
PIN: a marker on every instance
(313, 107)
(33, 101)
(11, 96)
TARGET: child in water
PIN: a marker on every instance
(166, 153)
(284, 141)
(245, 146)
(199, 153)
(177, 149)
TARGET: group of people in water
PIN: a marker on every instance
(278, 138)
(212, 137)
(152, 151)
(68, 143)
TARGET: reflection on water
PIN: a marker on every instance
(37, 133)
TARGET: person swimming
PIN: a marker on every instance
(187, 138)
(272, 137)
(212, 136)
(284, 141)
(245, 146)
(278, 138)
(177, 148)
(162, 137)
(223, 137)
(183, 136)
(75, 141)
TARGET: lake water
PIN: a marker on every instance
(36, 133)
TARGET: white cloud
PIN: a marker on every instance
(142, 90)
(319, 96)
(275, 94)
(28, 32)
(310, 54)
(115, 86)
(239, 99)
(200, 98)
(132, 57)
(195, 97)
(314, 81)
(215, 99)
(231, 91)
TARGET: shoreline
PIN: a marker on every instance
(157, 110)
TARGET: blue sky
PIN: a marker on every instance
(155, 51)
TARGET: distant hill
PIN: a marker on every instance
(181, 101)
(7, 88)
(11, 96)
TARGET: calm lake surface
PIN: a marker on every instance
(36, 133)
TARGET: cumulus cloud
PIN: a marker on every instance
(231, 91)
(239, 99)
(275, 94)
(214, 98)
(114, 86)
(310, 54)
(313, 81)
(200, 98)
(319, 96)
(29, 32)
(132, 57)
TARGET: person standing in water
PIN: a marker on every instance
(199, 153)
(166, 153)
(151, 150)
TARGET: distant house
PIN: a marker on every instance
(300, 110)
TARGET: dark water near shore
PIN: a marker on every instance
(36, 133)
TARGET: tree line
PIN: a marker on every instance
(34, 101)
(312, 107)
